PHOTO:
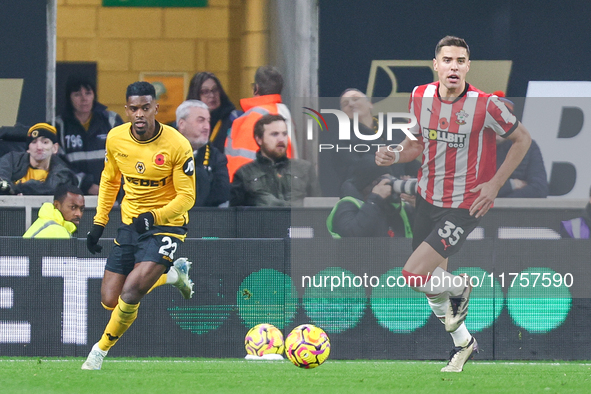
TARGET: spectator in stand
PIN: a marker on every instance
(577, 228)
(38, 171)
(206, 87)
(82, 132)
(273, 179)
(370, 209)
(529, 179)
(241, 147)
(60, 219)
(211, 174)
(353, 164)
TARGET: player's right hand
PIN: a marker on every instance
(384, 157)
(487, 194)
(93, 237)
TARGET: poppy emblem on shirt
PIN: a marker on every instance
(159, 160)
(443, 123)
(461, 117)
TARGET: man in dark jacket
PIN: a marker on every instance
(529, 178)
(352, 163)
(370, 209)
(38, 170)
(82, 132)
(211, 174)
(273, 179)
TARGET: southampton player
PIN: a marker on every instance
(156, 162)
(455, 130)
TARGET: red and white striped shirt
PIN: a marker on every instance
(459, 142)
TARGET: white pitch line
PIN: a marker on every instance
(525, 363)
(113, 360)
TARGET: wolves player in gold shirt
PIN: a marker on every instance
(156, 163)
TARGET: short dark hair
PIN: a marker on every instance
(73, 84)
(259, 126)
(140, 88)
(268, 80)
(451, 41)
(62, 191)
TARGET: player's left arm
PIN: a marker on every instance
(489, 190)
(183, 178)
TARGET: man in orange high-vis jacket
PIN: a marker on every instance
(241, 146)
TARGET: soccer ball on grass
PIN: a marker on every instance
(264, 339)
(307, 346)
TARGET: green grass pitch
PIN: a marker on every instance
(129, 376)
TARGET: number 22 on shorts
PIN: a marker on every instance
(168, 248)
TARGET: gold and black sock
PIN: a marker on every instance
(122, 317)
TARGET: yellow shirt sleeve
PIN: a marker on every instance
(108, 188)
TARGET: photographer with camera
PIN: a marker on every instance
(346, 163)
(373, 208)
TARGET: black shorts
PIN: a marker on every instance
(445, 229)
(160, 245)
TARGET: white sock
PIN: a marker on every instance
(97, 348)
(439, 304)
(461, 336)
(442, 281)
(172, 276)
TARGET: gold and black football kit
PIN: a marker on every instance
(158, 176)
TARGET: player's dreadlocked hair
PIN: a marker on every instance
(140, 88)
(451, 41)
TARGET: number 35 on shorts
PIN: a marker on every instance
(451, 232)
(168, 248)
